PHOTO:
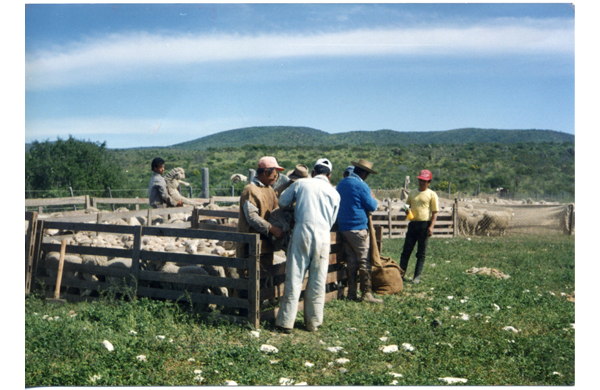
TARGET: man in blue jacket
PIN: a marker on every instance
(356, 200)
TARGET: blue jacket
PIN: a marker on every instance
(355, 202)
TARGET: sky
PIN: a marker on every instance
(140, 75)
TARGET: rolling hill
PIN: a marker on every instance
(282, 136)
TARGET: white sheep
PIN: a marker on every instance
(495, 220)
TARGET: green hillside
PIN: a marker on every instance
(304, 136)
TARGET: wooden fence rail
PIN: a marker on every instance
(142, 281)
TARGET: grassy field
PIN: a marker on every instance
(453, 320)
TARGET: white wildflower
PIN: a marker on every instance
(408, 347)
(418, 317)
(285, 382)
(446, 308)
(160, 337)
(141, 358)
(510, 328)
(94, 378)
(191, 360)
(389, 348)
(395, 375)
(197, 372)
(526, 291)
(309, 364)
(230, 383)
(301, 384)
(551, 293)
(463, 301)
(453, 380)
(132, 332)
(50, 318)
(268, 348)
(330, 364)
(56, 317)
(384, 339)
(557, 373)
(45, 316)
(450, 297)
(447, 261)
(394, 382)
(35, 314)
(433, 264)
(255, 334)
(273, 361)
(198, 378)
(464, 316)
(106, 344)
(432, 288)
(469, 239)
(230, 364)
(342, 361)
(496, 307)
(343, 370)
(334, 349)
(562, 294)
(351, 329)
(386, 332)
(573, 326)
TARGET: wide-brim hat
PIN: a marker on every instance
(300, 172)
(364, 165)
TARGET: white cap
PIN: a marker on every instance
(325, 162)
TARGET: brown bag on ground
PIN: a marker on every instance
(386, 277)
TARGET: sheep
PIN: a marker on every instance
(494, 220)
(238, 177)
(53, 259)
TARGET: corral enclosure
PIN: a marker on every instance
(259, 274)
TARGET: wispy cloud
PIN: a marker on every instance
(150, 130)
(126, 56)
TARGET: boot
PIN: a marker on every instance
(365, 288)
(418, 271)
(352, 285)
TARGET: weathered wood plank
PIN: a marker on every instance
(89, 250)
(56, 201)
(232, 262)
(200, 280)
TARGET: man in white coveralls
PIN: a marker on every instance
(317, 204)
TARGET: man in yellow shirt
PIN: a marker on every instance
(424, 205)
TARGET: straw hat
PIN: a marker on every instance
(365, 165)
(301, 172)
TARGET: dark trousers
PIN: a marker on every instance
(416, 233)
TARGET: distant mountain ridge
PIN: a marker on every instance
(306, 136)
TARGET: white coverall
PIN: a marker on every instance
(317, 205)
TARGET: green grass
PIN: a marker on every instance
(68, 351)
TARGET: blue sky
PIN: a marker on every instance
(157, 74)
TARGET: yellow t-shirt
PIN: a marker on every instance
(422, 204)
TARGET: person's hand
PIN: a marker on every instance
(179, 204)
(276, 231)
(430, 231)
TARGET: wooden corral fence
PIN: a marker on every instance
(395, 224)
(141, 281)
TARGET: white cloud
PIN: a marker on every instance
(126, 56)
(152, 130)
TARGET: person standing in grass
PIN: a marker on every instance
(357, 200)
(316, 205)
(424, 205)
(158, 197)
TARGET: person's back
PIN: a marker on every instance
(355, 202)
(316, 203)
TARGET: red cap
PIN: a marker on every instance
(269, 162)
(424, 175)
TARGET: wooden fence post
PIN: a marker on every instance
(195, 218)
(135, 256)
(571, 218)
(455, 218)
(205, 183)
(137, 203)
(39, 236)
(30, 240)
(254, 282)
(389, 218)
(71, 192)
(110, 196)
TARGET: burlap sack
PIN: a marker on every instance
(386, 276)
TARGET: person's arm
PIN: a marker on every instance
(258, 223)
(432, 224)
(368, 200)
